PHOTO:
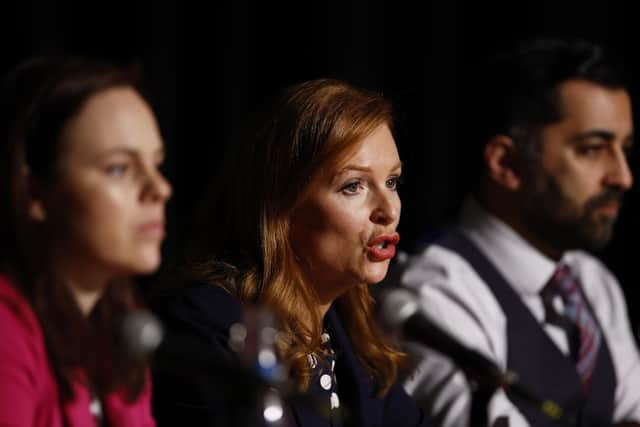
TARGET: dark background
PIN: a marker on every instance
(207, 66)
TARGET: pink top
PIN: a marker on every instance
(28, 390)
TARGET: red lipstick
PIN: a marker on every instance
(153, 228)
(383, 247)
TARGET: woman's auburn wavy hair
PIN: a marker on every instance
(312, 125)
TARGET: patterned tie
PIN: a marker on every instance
(584, 334)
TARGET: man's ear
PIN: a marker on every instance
(500, 159)
(35, 200)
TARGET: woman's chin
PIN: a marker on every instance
(377, 274)
(146, 264)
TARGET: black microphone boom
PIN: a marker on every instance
(399, 310)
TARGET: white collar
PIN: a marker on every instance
(522, 265)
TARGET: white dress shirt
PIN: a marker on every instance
(452, 294)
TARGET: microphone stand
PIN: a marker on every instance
(255, 341)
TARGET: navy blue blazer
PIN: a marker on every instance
(198, 380)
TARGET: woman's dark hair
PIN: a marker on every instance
(37, 99)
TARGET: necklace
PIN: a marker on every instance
(323, 369)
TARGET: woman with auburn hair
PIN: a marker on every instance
(81, 211)
(303, 219)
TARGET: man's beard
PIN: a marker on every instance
(561, 223)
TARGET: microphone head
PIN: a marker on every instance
(139, 333)
(255, 340)
(397, 305)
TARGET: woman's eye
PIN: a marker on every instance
(117, 170)
(394, 182)
(351, 188)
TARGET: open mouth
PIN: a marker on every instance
(382, 245)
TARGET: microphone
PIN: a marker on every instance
(138, 334)
(400, 311)
(255, 341)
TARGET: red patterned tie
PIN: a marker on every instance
(578, 314)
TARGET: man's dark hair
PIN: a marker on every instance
(515, 92)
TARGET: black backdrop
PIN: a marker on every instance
(206, 67)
